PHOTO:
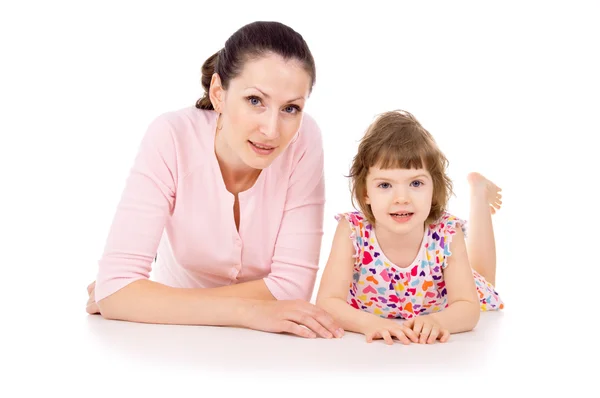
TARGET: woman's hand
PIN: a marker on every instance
(292, 316)
(92, 307)
(428, 328)
(387, 329)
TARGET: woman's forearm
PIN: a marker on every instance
(460, 316)
(147, 301)
(348, 317)
(257, 290)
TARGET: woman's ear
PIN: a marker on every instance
(216, 93)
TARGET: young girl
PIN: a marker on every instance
(403, 255)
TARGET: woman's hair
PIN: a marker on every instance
(251, 42)
(397, 140)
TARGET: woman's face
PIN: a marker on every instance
(261, 109)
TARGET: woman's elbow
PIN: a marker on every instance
(108, 307)
(112, 304)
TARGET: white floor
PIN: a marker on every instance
(73, 352)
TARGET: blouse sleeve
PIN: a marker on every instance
(146, 202)
(297, 249)
(444, 233)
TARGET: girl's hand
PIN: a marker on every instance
(386, 329)
(428, 328)
(297, 317)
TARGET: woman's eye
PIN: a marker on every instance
(291, 109)
(385, 185)
(416, 184)
(254, 101)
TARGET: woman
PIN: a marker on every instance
(227, 198)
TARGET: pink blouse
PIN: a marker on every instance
(175, 207)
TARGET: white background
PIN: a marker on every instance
(510, 89)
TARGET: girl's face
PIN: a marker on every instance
(261, 110)
(400, 199)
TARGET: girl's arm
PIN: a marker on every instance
(462, 313)
(335, 284)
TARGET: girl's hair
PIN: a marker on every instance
(251, 42)
(397, 140)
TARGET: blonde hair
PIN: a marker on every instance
(397, 140)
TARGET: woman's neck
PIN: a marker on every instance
(237, 176)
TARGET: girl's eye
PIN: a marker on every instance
(384, 185)
(416, 184)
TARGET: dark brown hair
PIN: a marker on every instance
(253, 41)
(397, 140)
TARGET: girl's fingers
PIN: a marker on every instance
(445, 335)
(433, 335)
(399, 333)
(424, 334)
(408, 332)
(387, 337)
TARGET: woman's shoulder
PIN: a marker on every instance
(182, 137)
(190, 120)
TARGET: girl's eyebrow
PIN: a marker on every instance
(410, 178)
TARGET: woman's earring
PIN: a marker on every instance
(218, 118)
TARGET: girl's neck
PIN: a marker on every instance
(401, 249)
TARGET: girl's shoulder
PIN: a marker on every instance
(354, 218)
(359, 227)
(447, 224)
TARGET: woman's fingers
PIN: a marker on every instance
(91, 307)
(294, 328)
(318, 320)
(310, 321)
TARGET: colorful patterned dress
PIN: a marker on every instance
(382, 288)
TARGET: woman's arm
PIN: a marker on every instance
(122, 289)
(298, 246)
(462, 313)
(147, 301)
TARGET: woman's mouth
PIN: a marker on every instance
(261, 149)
